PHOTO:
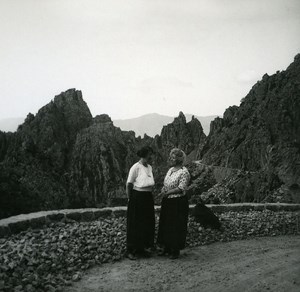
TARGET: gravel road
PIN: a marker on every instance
(261, 264)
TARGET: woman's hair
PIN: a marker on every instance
(179, 154)
(144, 151)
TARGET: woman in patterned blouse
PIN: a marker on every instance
(175, 207)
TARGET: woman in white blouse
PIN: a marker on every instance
(140, 211)
(175, 207)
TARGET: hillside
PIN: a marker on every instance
(261, 139)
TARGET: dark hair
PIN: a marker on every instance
(144, 151)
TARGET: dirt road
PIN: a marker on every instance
(261, 264)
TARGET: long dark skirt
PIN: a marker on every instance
(173, 223)
(140, 221)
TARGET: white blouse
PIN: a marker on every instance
(141, 177)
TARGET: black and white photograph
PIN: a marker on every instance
(149, 145)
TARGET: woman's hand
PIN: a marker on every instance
(164, 194)
(172, 191)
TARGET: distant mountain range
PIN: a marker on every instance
(150, 124)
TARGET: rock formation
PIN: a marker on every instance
(262, 134)
(64, 158)
(101, 157)
(187, 136)
(34, 159)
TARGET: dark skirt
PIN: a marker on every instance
(140, 221)
(173, 223)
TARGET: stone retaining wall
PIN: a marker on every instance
(16, 224)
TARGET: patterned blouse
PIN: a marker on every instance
(176, 179)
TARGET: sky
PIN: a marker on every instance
(135, 57)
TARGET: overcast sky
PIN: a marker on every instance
(141, 56)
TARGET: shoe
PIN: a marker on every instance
(174, 255)
(145, 253)
(164, 252)
(131, 256)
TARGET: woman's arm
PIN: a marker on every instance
(172, 191)
(133, 173)
(129, 188)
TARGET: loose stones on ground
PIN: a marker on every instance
(51, 258)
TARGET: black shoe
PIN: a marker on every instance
(164, 252)
(145, 253)
(161, 253)
(174, 255)
(131, 256)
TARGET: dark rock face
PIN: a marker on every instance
(49, 135)
(263, 133)
(65, 158)
(33, 171)
(221, 185)
(202, 179)
(101, 158)
(5, 140)
(187, 136)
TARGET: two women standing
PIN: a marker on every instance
(174, 210)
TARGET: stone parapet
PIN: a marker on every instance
(22, 222)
